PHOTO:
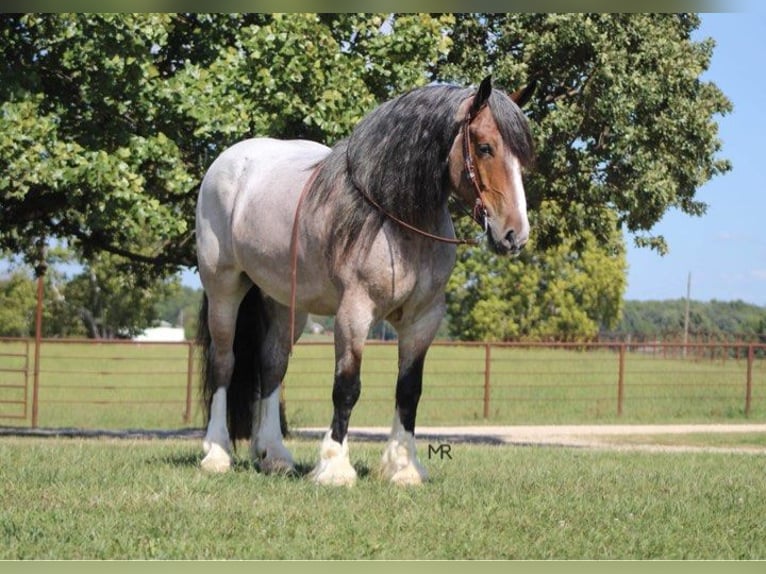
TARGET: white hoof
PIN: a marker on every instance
(217, 458)
(334, 467)
(266, 446)
(400, 463)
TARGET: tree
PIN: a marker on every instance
(112, 305)
(718, 320)
(180, 307)
(96, 303)
(108, 121)
(625, 128)
(624, 131)
(554, 294)
(17, 304)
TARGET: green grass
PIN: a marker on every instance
(105, 499)
(145, 386)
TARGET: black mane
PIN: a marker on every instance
(398, 154)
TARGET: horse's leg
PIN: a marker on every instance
(223, 305)
(352, 322)
(400, 463)
(266, 444)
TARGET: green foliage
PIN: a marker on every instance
(108, 122)
(17, 303)
(97, 303)
(560, 293)
(180, 307)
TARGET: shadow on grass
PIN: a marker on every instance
(193, 460)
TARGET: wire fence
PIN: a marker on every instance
(131, 385)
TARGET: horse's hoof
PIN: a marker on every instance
(334, 467)
(278, 466)
(217, 459)
(334, 474)
(400, 464)
(408, 476)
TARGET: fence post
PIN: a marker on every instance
(749, 382)
(26, 378)
(189, 377)
(487, 378)
(40, 272)
(621, 380)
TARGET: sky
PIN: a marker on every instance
(724, 250)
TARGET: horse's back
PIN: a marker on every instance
(250, 159)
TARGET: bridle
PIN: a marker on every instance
(479, 209)
(470, 172)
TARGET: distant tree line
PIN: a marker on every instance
(94, 304)
(708, 321)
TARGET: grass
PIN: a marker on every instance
(145, 386)
(106, 499)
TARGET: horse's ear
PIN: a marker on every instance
(482, 95)
(522, 95)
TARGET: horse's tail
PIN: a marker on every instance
(245, 386)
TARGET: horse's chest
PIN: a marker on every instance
(408, 273)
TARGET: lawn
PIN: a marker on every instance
(134, 499)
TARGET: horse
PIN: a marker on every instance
(361, 231)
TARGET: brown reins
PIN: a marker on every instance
(479, 212)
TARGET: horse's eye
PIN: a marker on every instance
(484, 149)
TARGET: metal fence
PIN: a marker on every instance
(119, 384)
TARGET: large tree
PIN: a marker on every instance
(107, 122)
(625, 130)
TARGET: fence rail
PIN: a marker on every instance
(119, 384)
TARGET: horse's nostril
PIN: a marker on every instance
(516, 242)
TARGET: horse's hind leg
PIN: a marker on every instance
(400, 463)
(223, 305)
(266, 445)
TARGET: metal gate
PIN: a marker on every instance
(15, 367)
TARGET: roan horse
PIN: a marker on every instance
(367, 228)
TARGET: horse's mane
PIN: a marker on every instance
(398, 155)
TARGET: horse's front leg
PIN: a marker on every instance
(352, 323)
(400, 462)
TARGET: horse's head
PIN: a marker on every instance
(486, 161)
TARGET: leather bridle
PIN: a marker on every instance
(479, 212)
(479, 209)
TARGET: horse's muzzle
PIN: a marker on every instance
(511, 244)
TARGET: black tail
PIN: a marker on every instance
(244, 387)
